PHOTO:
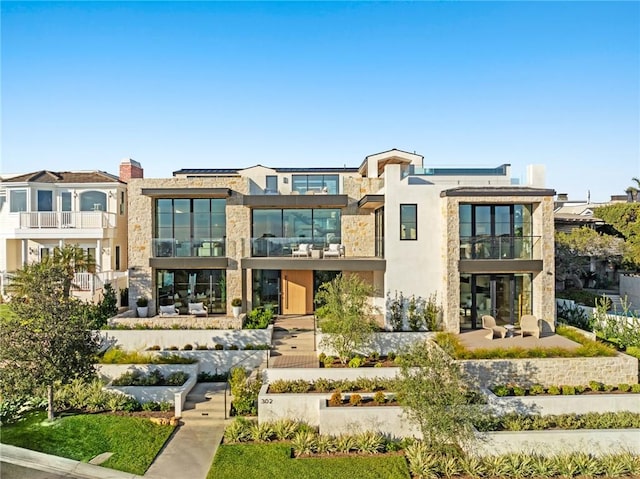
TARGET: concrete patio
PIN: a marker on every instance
(477, 339)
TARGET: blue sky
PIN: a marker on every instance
(215, 84)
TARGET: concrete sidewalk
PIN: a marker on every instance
(190, 450)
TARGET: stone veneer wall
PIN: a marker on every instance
(141, 232)
(543, 301)
(553, 371)
(358, 226)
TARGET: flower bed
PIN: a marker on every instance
(595, 387)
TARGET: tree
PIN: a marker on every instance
(434, 393)
(634, 189)
(48, 338)
(347, 317)
(73, 259)
(573, 250)
(625, 219)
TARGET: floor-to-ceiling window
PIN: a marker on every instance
(506, 297)
(266, 289)
(183, 286)
(379, 228)
(495, 231)
(276, 231)
(190, 227)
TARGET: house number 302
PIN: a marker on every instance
(266, 401)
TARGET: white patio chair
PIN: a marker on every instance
(304, 250)
(334, 251)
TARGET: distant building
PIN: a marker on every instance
(43, 210)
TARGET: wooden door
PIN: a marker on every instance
(297, 292)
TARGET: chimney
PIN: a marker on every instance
(563, 197)
(130, 169)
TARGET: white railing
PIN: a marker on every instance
(95, 281)
(67, 219)
(83, 281)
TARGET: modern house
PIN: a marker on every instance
(271, 236)
(43, 210)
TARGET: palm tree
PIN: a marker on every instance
(72, 259)
(632, 191)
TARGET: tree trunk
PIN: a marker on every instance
(50, 416)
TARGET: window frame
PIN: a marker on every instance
(407, 223)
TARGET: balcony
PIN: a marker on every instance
(67, 219)
(498, 247)
(173, 248)
(274, 247)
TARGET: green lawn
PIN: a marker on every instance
(264, 461)
(5, 311)
(135, 442)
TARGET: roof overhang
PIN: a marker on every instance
(187, 192)
(295, 201)
(371, 202)
(488, 266)
(497, 191)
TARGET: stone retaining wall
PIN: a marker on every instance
(553, 371)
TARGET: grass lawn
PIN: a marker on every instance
(5, 311)
(264, 461)
(135, 442)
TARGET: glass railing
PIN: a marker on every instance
(172, 248)
(497, 247)
(273, 246)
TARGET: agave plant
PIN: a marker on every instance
(238, 431)
(261, 432)
(472, 466)
(325, 444)
(345, 443)
(304, 442)
(285, 429)
(422, 463)
(370, 442)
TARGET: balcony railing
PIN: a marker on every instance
(273, 246)
(67, 219)
(497, 247)
(172, 248)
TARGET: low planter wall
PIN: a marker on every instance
(177, 395)
(218, 362)
(300, 407)
(576, 404)
(140, 339)
(382, 343)
(387, 420)
(553, 371)
(594, 441)
(312, 374)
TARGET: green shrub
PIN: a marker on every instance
(155, 347)
(501, 390)
(379, 397)
(177, 378)
(300, 386)
(322, 385)
(623, 387)
(635, 388)
(596, 386)
(218, 347)
(238, 431)
(580, 389)
(609, 387)
(165, 406)
(258, 318)
(355, 399)
(187, 347)
(285, 429)
(171, 348)
(568, 390)
(328, 361)
(536, 389)
(356, 362)
(391, 356)
(207, 377)
(233, 347)
(150, 406)
(554, 390)
(519, 391)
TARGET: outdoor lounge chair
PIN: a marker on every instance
(304, 250)
(489, 322)
(198, 309)
(169, 310)
(529, 324)
(334, 251)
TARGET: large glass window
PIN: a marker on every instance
(45, 200)
(93, 201)
(408, 222)
(315, 183)
(190, 227)
(17, 200)
(181, 287)
(495, 231)
(271, 186)
(276, 231)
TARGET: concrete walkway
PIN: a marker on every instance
(190, 450)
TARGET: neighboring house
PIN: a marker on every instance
(43, 210)
(469, 235)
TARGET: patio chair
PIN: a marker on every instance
(304, 250)
(529, 324)
(198, 309)
(489, 322)
(334, 251)
(169, 310)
